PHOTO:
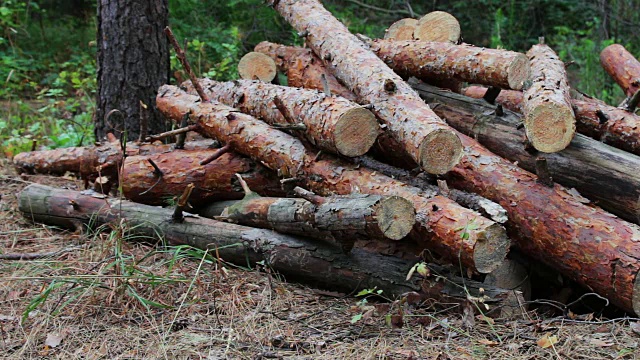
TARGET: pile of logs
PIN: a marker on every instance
(376, 157)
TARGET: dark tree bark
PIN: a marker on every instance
(133, 62)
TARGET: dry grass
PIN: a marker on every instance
(216, 313)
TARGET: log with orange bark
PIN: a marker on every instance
(622, 66)
(441, 222)
(554, 225)
(549, 120)
(444, 61)
(331, 123)
(424, 136)
(611, 125)
(297, 258)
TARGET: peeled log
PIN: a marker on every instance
(401, 29)
(440, 220)
(611, 125)
(424, 136)
(342, 219)
(89, 162)
(214, 181)
(303, 68)
(332, 123)
(549, 120)
(257, 66)
(622, 66)
(443, 61)
(299, 259)
(437, 26)
(554, 226)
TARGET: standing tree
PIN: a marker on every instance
(133, 62)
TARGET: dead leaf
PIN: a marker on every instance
(635, 326)
(547, 341)
(487, 342)
(467, 316)
(485, 319)
(601, 343)
(53, 340)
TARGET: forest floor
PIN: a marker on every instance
(100, 296)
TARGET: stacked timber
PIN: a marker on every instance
(293, 181)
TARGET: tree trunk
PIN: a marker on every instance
(549, 120)
(133, 62)
(440, 221)
(429, 141)
(443, 61)
(554, 226)
(214, 181)
(623, 67)
(299, 259)
(303, 68)
(341, 219)
(332, 123)
(608, 124)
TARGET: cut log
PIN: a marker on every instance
(586, 165)
(89, 162)
(549, 120)
(213, 181)
(299, 259)
(611, 125)
(622, 66)
(341, 219)
(401, 29)
(303, 68)
(332, 123)
(437, 26)
(555, 226)
(440, 221)
(442, 61)
(425, 137)
(257, 66)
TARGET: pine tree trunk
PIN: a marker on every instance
(623, 67)
(133, 62)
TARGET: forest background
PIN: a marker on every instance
(48, 48)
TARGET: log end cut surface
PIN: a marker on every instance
(401, 30)
(257, 66)
(396, 217)
(491, 249)
(518, 72)
(550, 127)
(440, 151)
(356, 131)
(438, 26)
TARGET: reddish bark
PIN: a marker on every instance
(549, 120)
(443, 61)
(440, 220)
(429, 141)
(622, 66)
(611, 125)
(332, 123)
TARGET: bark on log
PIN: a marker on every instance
(595, 119)
(604, 174)
(213, 181)
(440, 220)
(332, 123)
(549, 120)
(570, 239)
(401, 29)
(442, 61)
(438, 26)
(622, 66)
(341, 219)
(257, 66)
(89, 162)
(303, 68)
(429, 141)
(299, 259)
